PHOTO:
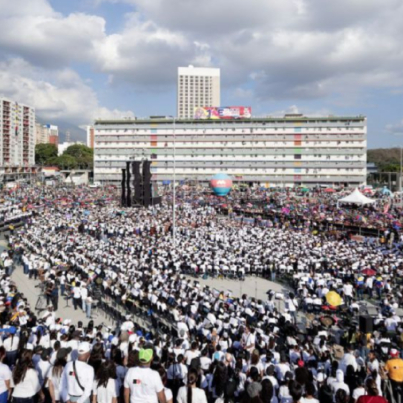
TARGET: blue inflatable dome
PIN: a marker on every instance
(221, 184)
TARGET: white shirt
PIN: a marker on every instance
(5, 375)
(29, 387)
(198, 395)
(56, 383)
(106, 394)
(69, 384)
(358, 392)
(11, 343)
(305, 400)
(144, 385)
(43, 371)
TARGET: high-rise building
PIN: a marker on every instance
(90, 136)
(197, 86)
(53, 132)
(41, 134)
(289, 151)
(17, 134)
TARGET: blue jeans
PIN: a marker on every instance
(4, 397)
(88, 310)
(11, 357)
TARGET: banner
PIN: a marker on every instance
(223, 112)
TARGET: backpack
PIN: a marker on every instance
(195, 363)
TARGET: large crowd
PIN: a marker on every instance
(291, 346)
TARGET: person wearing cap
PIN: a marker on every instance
(78, 377)
(142, 384)
(11, 345)
(394, 369)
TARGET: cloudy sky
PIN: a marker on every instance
(76, 60)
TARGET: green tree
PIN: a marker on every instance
(389, 167)
(66, 161)
(45, 154)
(83, 155)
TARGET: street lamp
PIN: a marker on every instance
(174, 188)
(174, 192)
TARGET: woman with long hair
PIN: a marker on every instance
(121, 370)
(191, 393)
(219, 381)
(55, 374)
(25, 380)
(105, 385)
(5, 377)
(97, 356)
(267, 394)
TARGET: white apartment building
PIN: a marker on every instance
(17, 134)
(289, 151)
(197, 86)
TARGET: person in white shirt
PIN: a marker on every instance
(25, 380)
(76, 296)
(43, 366)
(84, 296)
(348, 291)
(309, 394)
(55, 374)
(340, 384)
(248, 339)
(78, 377)
(5, 377)
(348, 359)
(49, 316)
(105, 386)
(142, 384)
(192, 353)
(198, 395)
(11, 345)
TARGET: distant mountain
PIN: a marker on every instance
(76, 133)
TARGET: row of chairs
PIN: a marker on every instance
(139, 314)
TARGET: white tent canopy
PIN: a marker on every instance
(356, 198)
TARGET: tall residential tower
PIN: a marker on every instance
(17, 134)
(197, 86)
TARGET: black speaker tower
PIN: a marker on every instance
(123, 198)
(142, 185)
(129, 193)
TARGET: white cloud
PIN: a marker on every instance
(290, 49)
(59, 95)
(143, 53)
